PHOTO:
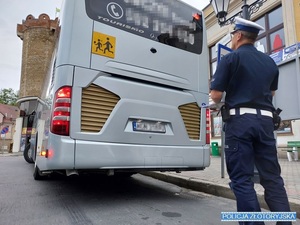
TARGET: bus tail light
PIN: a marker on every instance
(196, 16)
(47, 153)
(43, 153)
(207, 126)
(60, 122)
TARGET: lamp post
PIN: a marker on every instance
(221, 10)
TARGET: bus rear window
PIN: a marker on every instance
(170, 22)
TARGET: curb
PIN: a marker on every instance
(5, 154)
(210, 188)
(193, 184)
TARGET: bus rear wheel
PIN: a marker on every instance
(28, 154)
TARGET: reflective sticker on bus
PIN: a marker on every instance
(104, 45)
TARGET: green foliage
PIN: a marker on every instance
(8, 96)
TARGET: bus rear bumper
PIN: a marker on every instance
(144, 157)
(80, 155)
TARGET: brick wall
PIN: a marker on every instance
(39, 36)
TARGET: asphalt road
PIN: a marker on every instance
(91, 200)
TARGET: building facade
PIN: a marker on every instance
(281, 20)
(8, 115)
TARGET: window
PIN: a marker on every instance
(277, 41)
(272, 38)
(269, 40)
(169, 22)
(275, 18)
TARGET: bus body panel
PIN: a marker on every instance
(61, 148)
(103, 155)
(165, 66)
(61, 152)
(136, 103)
(74, 46)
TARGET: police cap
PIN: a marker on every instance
(246, 25)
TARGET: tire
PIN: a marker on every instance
(28, 154)
(37, 175)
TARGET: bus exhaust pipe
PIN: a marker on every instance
(110, 173)
(72, 173)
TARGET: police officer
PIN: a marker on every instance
(250, 79)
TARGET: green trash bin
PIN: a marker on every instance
(214, 148)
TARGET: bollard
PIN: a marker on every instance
(295, 152)
(292, 154)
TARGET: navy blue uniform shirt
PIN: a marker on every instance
(247, 76)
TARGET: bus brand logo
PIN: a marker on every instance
(103, 44)
(115, 10)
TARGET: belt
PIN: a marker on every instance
(250, 111)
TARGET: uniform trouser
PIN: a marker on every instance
(249, 140)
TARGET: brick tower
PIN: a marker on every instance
(39, 36)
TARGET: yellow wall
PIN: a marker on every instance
(297, 18)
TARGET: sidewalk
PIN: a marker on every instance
(210, 181)
(5, 153)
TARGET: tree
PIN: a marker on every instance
(8, 96)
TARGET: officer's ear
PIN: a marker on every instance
(239, 35)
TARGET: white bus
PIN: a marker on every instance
(125, 91)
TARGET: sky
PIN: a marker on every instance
(12, 12)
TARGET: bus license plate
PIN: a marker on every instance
(156, 127)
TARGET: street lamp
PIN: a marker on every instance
(221, 9)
